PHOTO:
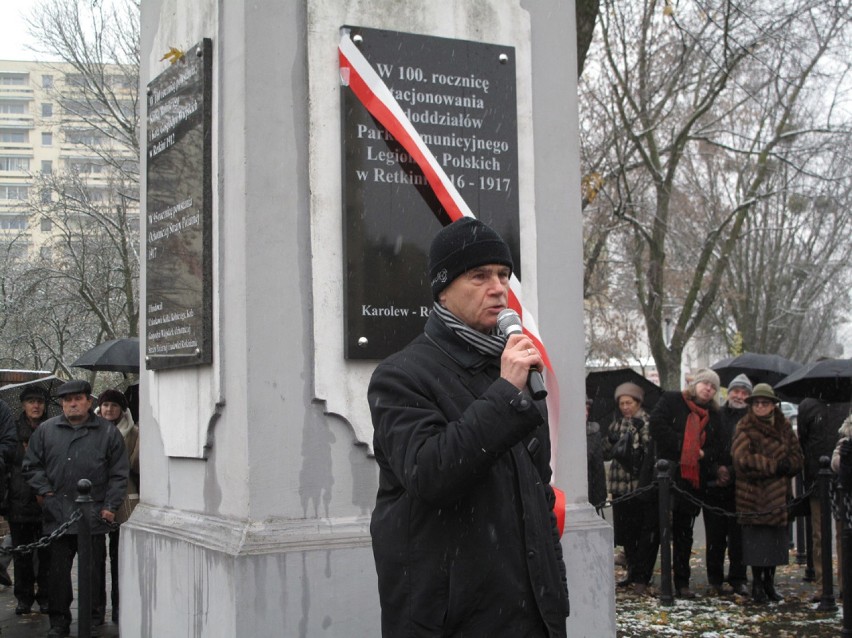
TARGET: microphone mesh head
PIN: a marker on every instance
(509, 321)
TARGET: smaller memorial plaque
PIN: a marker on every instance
(179, 290)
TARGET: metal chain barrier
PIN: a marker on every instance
(44, 541)
(626, 497)
(688, 496)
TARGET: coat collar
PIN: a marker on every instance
(458, 350)
(93, 421)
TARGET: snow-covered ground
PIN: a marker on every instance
(727, 616)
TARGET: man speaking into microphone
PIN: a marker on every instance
(463, 531)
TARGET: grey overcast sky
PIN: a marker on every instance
(13, 29)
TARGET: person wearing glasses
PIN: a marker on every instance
(766, 455)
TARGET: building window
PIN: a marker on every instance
(12, 191)
(45, 196)
(16, 164)
(47, 139)
(46, 225)
(14, 79)
(45, 252)
(47, 167)
(47, 81)
(85, 137)
(47, 109)
(14, 136)
(13, 108)
(96, 195)
(86, 167)
(13, 222)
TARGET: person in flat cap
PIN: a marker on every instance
(24, 514)
(685, 425)
(74, 445)
(766, 455)
(723, 533)
(463, 524)
(628, 441)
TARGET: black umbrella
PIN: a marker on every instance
(11, 394)
(759, 368)
(118, 355)
(600, 388)
(829, 380)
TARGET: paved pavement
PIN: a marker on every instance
(35, 624)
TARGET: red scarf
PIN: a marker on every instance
(693, 439)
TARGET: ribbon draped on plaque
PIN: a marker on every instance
(358, 74)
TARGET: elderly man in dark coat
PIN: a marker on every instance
(464, 536)
(75, 445)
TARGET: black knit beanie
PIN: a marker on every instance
(462, 245)
(113, 396)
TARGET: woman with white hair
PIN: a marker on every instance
(686, 427)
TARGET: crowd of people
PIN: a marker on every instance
(41, 461)
(738, 460)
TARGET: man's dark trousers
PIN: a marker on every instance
(62, 552)
(30, 586)
(723, 532)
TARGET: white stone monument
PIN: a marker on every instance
(257, 481)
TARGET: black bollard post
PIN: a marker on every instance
(801, 550)
(826, 602)
(664, 483)
(84, 559)
(845, 565)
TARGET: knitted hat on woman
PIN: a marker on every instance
(462, 245)
(630, 389)
(113, 396)
(707, 375)
(34, 392)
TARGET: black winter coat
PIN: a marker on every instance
(818, 425)
(60, 454)
(729, 417)
(8, 438)
(668, 422)
(464, 535)
(23, 507)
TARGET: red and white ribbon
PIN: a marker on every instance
(358, 74)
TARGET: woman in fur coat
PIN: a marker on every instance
(766, 454)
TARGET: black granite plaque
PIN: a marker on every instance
(179, 273)
(460, 96)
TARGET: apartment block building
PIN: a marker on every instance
(46, 126)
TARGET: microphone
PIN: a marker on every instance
(510, 323)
